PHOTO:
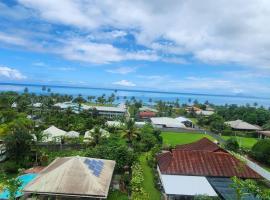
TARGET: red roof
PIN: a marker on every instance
(211, 162)
(147, 114)
(202, 145)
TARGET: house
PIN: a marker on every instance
(73, 178)
(53, 134)
(147, 114)
(116, 124)
(148, 109)
(264, 134)
(187, 122)
(204, 112)
(73, 134)
(200, 168)
(190, 109)
(88, 134)
(242, 126)
(166, 122)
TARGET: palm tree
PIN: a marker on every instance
(130, 131)
(97, 134)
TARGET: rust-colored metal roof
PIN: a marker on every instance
(147, 114)
(203, 163)
(201, 145)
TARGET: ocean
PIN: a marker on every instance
(140, 95)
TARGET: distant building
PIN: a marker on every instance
(200, 168)
(242, 125)
(187, 122)
(73, 178)
(205, 112)
(88, 134)
(166, 122)
(106, 111)
(264, 134)
(148, 109)
(147, 114)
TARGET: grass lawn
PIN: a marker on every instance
(245, 142)
(148, 183)
(173, 138)
(117, 195)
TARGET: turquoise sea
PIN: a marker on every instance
(140, 95)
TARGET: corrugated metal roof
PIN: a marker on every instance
(203, 163)
(201, 145)
(168, 122)
(72, 176)
(241, 125)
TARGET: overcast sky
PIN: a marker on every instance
(209, 46)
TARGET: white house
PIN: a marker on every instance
(53, 134)
(166, 122)
(88, 134)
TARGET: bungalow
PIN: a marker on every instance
(200, 168)
(264, 134)
(166, 122)
(73, 178)
(242, 125)
(53, 134)
(88, 134)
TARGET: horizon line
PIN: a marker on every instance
(131, 90)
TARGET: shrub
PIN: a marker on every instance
(261, 151)
(232, 144)
(138, 192)
(11, 167)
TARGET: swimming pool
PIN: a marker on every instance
(25, 179)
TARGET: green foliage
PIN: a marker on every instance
(18, 143)
(114, 150)
(244, 187)
(138, 192)
(12, 185)
(232, 144)
(261, 151)
(253, 115)
(10, 167)
(117, 195)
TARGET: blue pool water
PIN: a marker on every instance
(25, 179)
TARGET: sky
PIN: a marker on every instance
(210, 46)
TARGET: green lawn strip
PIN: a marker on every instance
(117, 195)
(245, 142)
(174, 138)
(148, 183)
(99, 104)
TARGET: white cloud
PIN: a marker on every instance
(125, 83)
(191, 27)
(122, 70)
(11, 74)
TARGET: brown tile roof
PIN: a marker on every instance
(202, 145)
(210, 161)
